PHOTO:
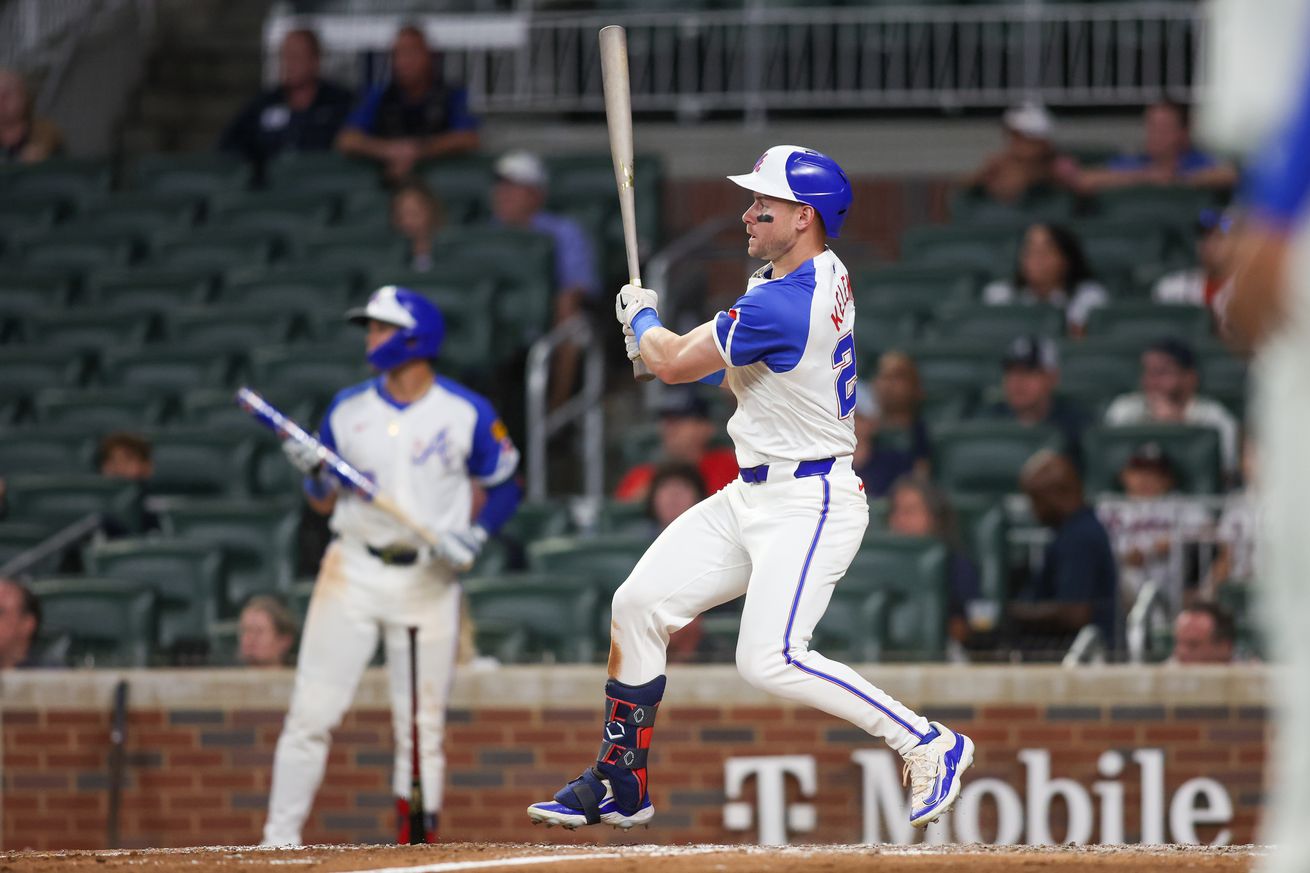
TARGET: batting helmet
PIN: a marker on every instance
(802, 175)
(421, 326)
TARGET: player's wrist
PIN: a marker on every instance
(319, 486)
(644, 321)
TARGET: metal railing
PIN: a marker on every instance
(763, 58)
(586, 408)
(21, 564)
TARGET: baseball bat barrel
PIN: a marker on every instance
(417, 826)
(618, 117)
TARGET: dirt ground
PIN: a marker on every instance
(453, 857)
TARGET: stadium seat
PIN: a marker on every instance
(983, 531)
(1194, 452)
(201, 173)
(536, 520)
(215, 248)
(525, 616)
(604, 560)
(63, 498)
(523, 265)
(76, 255)
(996, 323)
(150, 287)
(22, 218)
(145, 214)
(171, 370)
(1146, 322)
(201, 464)
(28, 290)
(973, 206)
(74, 180)
(624, 518)
(347, 248)
(99, 410)
(258, 539)
(17, 537)
(582, 178)
(321, 173)
(980, 248)
(463, 185)
(284, 213)
(108, 623)
(315, 373)
(984, 457)
(1175, 205)
(216, 409)
(1118, 241)
(90, 329)
(234, 328)
(1103, 368)
(329, 295)
(186, 577)
(45, 450)
(918, 287)
(947, 366)
(271, 474)
(882, 327)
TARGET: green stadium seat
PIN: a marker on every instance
(170, 370)
(985, 457)
(233, 328)
(1146, 322)
(1173, 205)
(201, 464)
(891, 604)
(1120, 241)
(216, 410)
(882, 327)
(99, 410)
(983, 530)
(186, 577)
(948, 366)
(150, 287)
(258, 539)
(145, 214)
(217, 249)
(624, 518)
(527, 616)
(997, 323)
(322, 173)
(27, 370)
(81, 255)
(347, 248)
(979, 248)
(283, 213)
(74, 180)
(108, 623)
(973, 206)
(330, 295)
(581, 178)
(535, 520)
(1193, 450)
(604, 560)
(307, 372)
(1103, 368)
(917, 287)
(272, 476)
(523, 264)
(17, 537)
(45, 450)
(203, 174)
(87, 329)
(463, 185)
(28, 290)
(24, 217)
(61, 499)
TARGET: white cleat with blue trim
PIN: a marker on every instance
(934, 771)
(589, 799)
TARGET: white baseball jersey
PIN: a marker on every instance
(422, 454)
(789, 344)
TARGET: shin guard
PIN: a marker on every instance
(629, 723)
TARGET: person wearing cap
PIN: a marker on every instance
(518, 199)
(1052, 270)
(1169, 395)
(1026, 162)
(1151, 526)
(686, 434)
(414, 116)
(1207, 284)
(1031, 373)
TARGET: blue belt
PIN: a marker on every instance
(756, 475)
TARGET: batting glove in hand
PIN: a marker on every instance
(304, 458)
(632, 299)
(630, 343)
(459, 549)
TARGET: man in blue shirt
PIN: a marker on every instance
(1032, 371)
(414, 116)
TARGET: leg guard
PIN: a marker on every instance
(629, 723)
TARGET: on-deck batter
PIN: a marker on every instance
(785, 532)
(425, 440)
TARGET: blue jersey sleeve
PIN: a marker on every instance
(364, 114)
(492, 456)
(1279, 178)
(770, 323)
(457, 111)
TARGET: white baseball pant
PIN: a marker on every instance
(784, 543)
(355, 597)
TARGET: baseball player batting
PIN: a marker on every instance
(782, 534)
(425, 440)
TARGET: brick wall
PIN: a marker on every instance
(200, 745)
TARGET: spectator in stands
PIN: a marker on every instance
(1169, 396)
(1077, 582)
(20, 619)
(1168, 158)
(414, 117)
(921, 509)
(900, 440)
(1207, 283)
(24, 137)
(123, 455)
(268, 633)
(866, 426)
(416, 215)
(675, 488)
(1151, 527)
(1204, 633)
(304, 113)
(686, 432)
(1026, 163)
(1052, 269)
(1031, 373)
(518, 200)
(1234, 562)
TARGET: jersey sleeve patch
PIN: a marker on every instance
(492, 457)
(770, 323)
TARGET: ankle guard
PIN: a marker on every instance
(629, 723)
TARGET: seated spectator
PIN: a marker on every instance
(1150, 529)
(1169, 396)
(1207, 283)
(20, 619)
(304, 113)
(123, 455)
(866, 426)
(674, 489)
(518, 200)
(413, 117)
(1234, 562)
(416, 215)
(24, 137)
(1077, 582)
(921, 509)
(1167, 159)
(1026, 163)
(1031, 373)
(686, 431)
(1204, 633)
(267, 633)
(900, 437)
(1052, 269)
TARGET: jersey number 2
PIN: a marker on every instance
(843, 361)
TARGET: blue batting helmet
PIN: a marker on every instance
(421, 326)
(802, 175)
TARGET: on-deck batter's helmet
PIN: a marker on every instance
(421, 326)
(802, 175)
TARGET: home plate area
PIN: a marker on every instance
(453, 857)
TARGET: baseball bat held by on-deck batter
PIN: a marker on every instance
(269, 416)
(618, 116)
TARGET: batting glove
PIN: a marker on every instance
(303, 457)
(630, 343)
(459, 549)
(632, 299)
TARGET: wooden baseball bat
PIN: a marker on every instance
(618, 116)
(117, 762)
(417, 825)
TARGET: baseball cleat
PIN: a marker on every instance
(584, 808)
(934, 771)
